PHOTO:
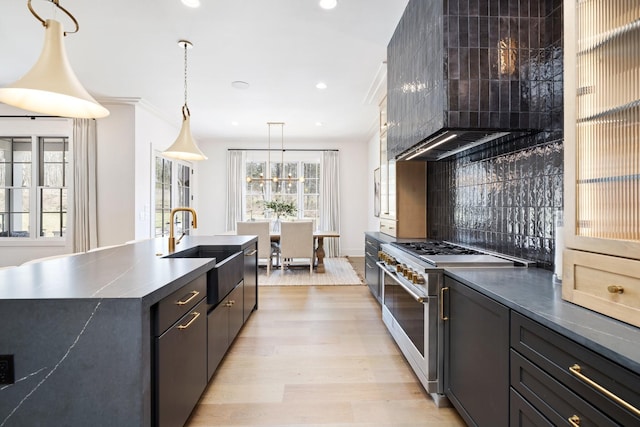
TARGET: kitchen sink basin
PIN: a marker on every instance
(221, 279)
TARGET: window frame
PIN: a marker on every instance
(300, 158)
(39, 128)
(175, 189)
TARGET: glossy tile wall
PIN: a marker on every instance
(503, 196)
(473, 64)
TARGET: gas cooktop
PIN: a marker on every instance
(435, 247)
(445, 254)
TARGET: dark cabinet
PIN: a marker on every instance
(180, 354)
(563, 380)
(250, 280)
(223, 324)
(371, 272)
(476, 355)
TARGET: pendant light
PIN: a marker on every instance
(51, 87)
(185, 147)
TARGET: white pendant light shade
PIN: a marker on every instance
(185, 147)
(51, 86)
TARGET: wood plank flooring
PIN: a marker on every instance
(317, 356)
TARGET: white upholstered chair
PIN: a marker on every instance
(260, 229)
(296, 241)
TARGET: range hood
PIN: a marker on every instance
(446, 143)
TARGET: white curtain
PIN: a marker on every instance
(330, 200)
(85, 230)
(236, 176)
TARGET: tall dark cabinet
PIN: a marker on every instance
(476, 352)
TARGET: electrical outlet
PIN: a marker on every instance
(7, 370)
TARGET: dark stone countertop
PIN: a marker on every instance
(531, 292)
(132, 271)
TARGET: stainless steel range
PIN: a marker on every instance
(412, 276)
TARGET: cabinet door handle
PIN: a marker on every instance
(574, 420)
(186, 301)
(193, 319)
(442, 316)
(252, 253)
(575, 370)
(615, 289)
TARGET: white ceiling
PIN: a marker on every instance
(282, 48)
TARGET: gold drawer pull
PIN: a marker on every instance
(575, 370)
(574, 420)
(193, 295)
(193, 319)
(252, 253)
(615, 289)
(442, 316)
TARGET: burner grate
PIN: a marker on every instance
(435, 248)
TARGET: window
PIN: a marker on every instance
(172, 183)
(34, 173)
(305, 195)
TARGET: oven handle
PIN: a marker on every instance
(415, 296)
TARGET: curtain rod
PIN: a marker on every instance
(278, 149)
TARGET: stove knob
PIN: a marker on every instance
(420, 279)
(381, 255)
(409, 273)
(392, 260)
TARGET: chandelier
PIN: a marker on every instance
(261, 178)
(51, 86)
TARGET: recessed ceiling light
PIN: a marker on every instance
(234, 123)
(239, 84)
(321, 85)
(319, 124)
(191, 3)
(328, 4)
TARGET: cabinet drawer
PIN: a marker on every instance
(593, 280)
(522, 414)
(371, 248)
(556, 402)
(176, 305)
(601, 382)
(388, 226)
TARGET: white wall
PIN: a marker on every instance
(354, 195)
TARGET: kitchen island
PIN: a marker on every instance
(81, 330)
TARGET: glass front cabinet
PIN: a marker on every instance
(601, 267)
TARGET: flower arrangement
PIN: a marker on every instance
(280, 207)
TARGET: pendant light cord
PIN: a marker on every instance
(185, 109)
(185, 74)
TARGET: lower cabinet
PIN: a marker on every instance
(223, 324)
(568, 384)
(371, 271)
(476, 355)
(180, 362)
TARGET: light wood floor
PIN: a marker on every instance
(317, 356)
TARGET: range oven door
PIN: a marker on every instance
(412, 320)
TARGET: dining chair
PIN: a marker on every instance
(260, 229)
(296, 241)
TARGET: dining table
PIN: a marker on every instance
(318, 244)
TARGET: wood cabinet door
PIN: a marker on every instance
(476, 356)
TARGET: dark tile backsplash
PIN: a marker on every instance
(501, 198)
